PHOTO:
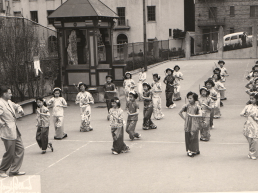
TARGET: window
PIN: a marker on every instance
(231, 30)
(121, 14)
(151, 13)
(34, 16)
(213, 12)
(227, 39)
(50, 21)
(233, 37)
(232, 11)
(17, 14)
(253, 11)
(170, 32)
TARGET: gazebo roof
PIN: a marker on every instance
(83, 8)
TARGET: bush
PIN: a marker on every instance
(139, 62)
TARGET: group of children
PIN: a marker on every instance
(251, 112)
(200, 111)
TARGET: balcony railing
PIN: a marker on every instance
(211, 22)
(122, 25)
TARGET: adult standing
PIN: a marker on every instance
(10, 135)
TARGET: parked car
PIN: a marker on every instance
(234, 38)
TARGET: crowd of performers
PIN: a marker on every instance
(198, 113)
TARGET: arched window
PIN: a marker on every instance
(52, 44)
(121, 39)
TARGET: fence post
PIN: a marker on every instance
(133, 54)
(168, 49)
(220, 42)
(187, 46)
(254, 48)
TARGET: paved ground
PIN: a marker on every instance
(157, 163)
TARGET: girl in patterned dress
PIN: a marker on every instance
(170, 83)
(128, 85)
(148, 107)
(156, 90)
(192, 113)
(205, 103)
(209, 84)
(142, 79)
(84, 99)
(178, 77)
(132, 111)
(43, 122)
(58, 103)
(223, 74)
(251, 127)
(117, 129)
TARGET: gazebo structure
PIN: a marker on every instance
(85, 43)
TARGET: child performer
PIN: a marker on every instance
(156, 90)
(223, 75)
(193, 111)
(251, 81)
(117, 130)
(218, 87)
(148, 107)
(169, 81)
(251, 127)
(206, 105)
(255, 67)
(58, 104)
(142, 79)
(132, 111)
(209, 84)
(84, 98)
(43, 121)
(110, 91)
(178, 77)
(128, 85)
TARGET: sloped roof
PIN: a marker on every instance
(83, 8)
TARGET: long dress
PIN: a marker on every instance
(156, 86)
(218, 87)
(109, 95)
(83, 99)
(128, 85)
(43, 122)
(192, 127)
(169, 81)
(147, 112)
(58, 116)
(142, 79)
(178, 75)
(117, 130)
(214, 94)
(250, 130)
(132, 119)
(205, 120)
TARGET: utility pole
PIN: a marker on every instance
(144, 36)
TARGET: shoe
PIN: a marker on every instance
(114, 152)
(190, 154)
(139, 136)
(65, 136)
(50, 146)
(145, 128)
(90, 129)
(172, 106)
(3, 175)
(17, 173)
(252, 157)
(212, 127)
(223, 99)
(221, 104)
(197, 153)
(43, 152)
(179, 99)
(57, 138)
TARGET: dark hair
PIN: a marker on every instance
(147, 84)
(126, 74)
(57, 89)
(176, 66)
(207, 91)
(254, 72)
(3, 89)
(221, 61)
(218, 76)
(216, 69)
(156, 75)
(109, 77)
(209, 81)
(79, 86)
(195, 96)
(117, 101)
(135, 95)
(253, 68)
(255, 95)
(40, 99)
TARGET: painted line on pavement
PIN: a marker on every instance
(62, 158)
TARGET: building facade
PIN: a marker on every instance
(232, 15)
(162, 17)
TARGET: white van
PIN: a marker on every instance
(234, 38)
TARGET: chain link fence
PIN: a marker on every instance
(132, 54)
